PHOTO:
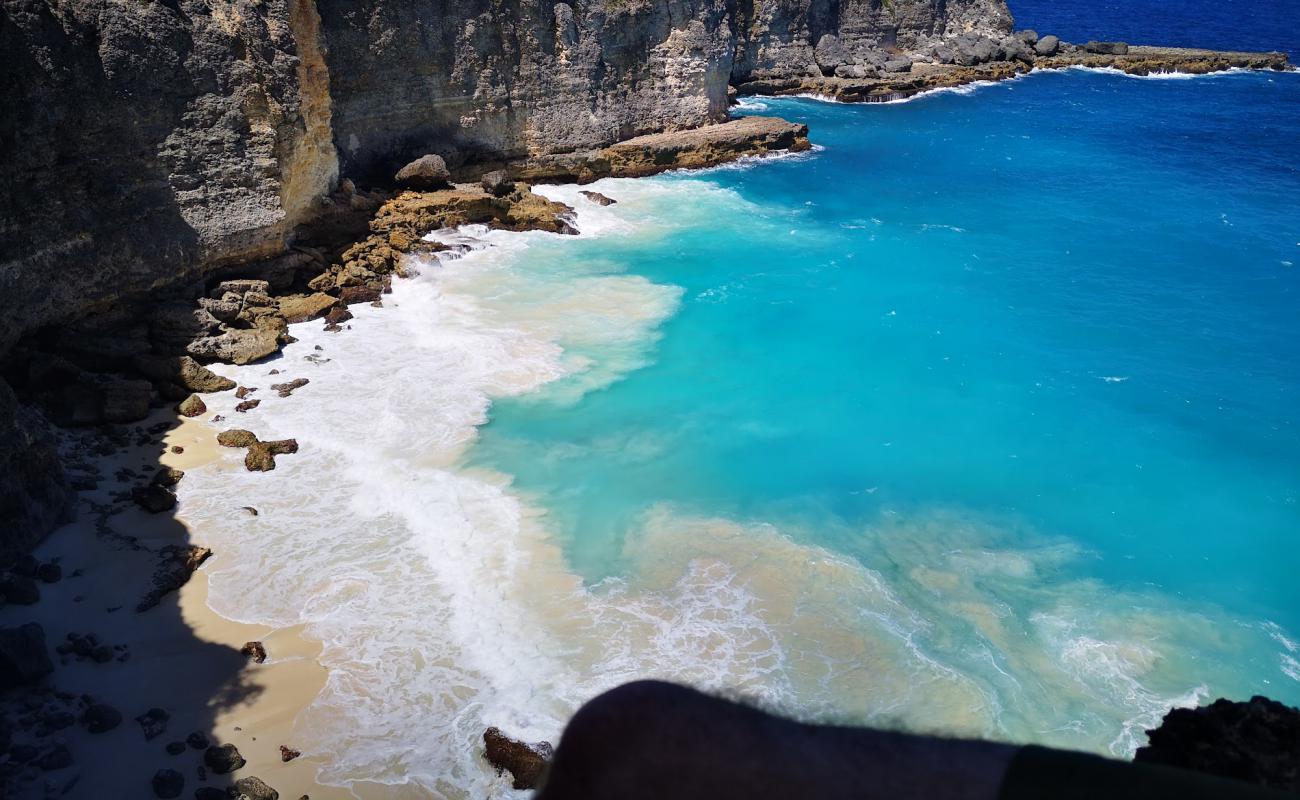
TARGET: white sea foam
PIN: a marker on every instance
(444, 603)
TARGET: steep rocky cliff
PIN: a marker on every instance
(150, 143)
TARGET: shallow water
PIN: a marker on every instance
(981, 418)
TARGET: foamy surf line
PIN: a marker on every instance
(444, 603)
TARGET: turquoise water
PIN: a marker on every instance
(1050, 323)
(979, 419)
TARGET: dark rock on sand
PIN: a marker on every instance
(168, 783)
(526, 762)
(101, 718)
(167, 476)
(24, 658)
(153, 723)
(1107, 48)
(255, 651)
(424, 173)
(154, 498)
(176, 563)
(288, 754)
(19, 590)
(198, 740)
(59, 757)
(192, 406)
(255, 789)
(49, 573)
(223, 759)
(598, 198)
(1257, 742)
(175, 748)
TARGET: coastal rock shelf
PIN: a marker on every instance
(926, 76)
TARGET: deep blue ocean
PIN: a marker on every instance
(981, 418)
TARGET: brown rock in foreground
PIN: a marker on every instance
(701, 147)
(1257, 742)
(255, 651)
(526, 762)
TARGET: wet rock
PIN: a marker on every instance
(236, 437)
(192, 406)
(254, 789)
(167, 476)
(288, 754)
(19, 590)
(526, 762)
(223, 759)
(101, 718)
(1257, 742)
(154, 498)
(238, 345)
(255, 651)
(153, 723)
(168, 783)
(24, 658)
(598, 198)
(286, 389)
(359, 294)
(337, 317)
(497, 183)
(1107, 48)
(176, 563)
(1047, 46)
(261, 455)
(244, 391)
(247, 405)
(49, 573)
(424, 173)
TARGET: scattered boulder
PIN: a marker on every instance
(1107, 48)
(359, 294)
(255, 651)
(526, 762)
(255, 789)
(247, 405)
(101, 718)
(598, 198)
(236, 437)
(261, 455)
(304, 307)
(830, 53)
(1047, 46)
(286, 389)
(1028, 36)
(24, 658)
(244, 391)
(192, 406)
(497, 183)
(288, 754)
(154, 498)
(175, 748)
(1015, 49)
(337, 317)
(198, 740)
(903, 64)
(153, 722)
(970, 49)
(168, 783)
(424, 173)
(223, 759)
(1257, 742)
(167, 476)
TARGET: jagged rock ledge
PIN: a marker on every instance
(924, 76)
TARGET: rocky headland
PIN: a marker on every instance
(185, 179)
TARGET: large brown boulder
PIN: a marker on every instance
(261, 455)
(424, 173)
(304, 307)
(526, 762)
